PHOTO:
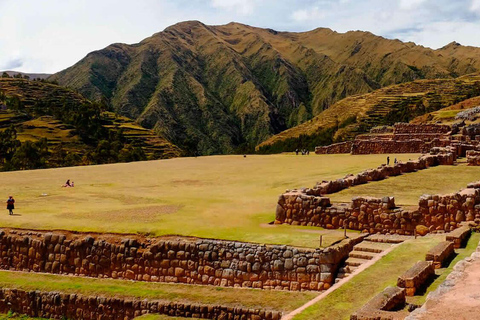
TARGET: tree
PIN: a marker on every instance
(30, 155)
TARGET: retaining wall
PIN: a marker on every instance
(401, 127)
(341, 147)
(473, 157)
(309, 207)
(76, 306)
(182, 260)
(397, 146)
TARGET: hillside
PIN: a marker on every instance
(358, 114)
(71, 124)
(30, 76)
(217, 89)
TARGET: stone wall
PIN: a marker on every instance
(366, 214)
(76, 306)
(473, 157)
(411, 128)
(372, 215)
(180, 260)
(446, 212)
(382, 129)
(441, 157)
(341, 147)
(393, 146)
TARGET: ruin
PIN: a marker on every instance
(409, 138)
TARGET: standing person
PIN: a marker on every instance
(296, 151)
(395, 161)
(10, 205)
(388, 160)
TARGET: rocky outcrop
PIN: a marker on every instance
(180, 260)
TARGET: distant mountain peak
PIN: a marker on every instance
(229, 87)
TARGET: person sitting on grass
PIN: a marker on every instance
(10, 205)
(67, 184)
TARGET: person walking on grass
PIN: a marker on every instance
(388, 160)
(10, 205)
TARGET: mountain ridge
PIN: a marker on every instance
(226, 88)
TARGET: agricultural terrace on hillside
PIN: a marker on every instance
(221, 197)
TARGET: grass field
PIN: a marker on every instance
(224, 197)
(183, 293)
(408, 188)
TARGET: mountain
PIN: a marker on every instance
(72, 125)
(215, 89)
(27, 75)
(359, 113)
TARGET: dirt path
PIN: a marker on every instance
(459, 297)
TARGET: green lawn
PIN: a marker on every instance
(224, 197)
(407, 188)
(248, 298)
(341, 303)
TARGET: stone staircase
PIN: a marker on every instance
(365, 251)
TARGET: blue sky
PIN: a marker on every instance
(50, 35)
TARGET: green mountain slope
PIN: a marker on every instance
(358, 114)
(72, 125)
(214, 89)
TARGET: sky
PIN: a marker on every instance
(46, 36)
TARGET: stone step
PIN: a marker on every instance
(362, 255)
(375, 247)
(355, 262)
(346, 269)
(382, 238)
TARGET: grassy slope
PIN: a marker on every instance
(57, 132)
(341, 303)
(384, 106)
(249, 298)
(225, 197)
(431, 181)
(447, 115)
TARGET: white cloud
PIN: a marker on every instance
(475, 6)
(313, 14)
(50, 35)
(244, 7)
(410, 4)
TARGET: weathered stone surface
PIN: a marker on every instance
(57, 305)
(182, 260)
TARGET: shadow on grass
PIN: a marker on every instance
(449, 260)
(424, 287)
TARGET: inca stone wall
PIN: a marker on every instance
(184, 260)
(473, 157)
(442, 156)
(76, 306)
(341, 147)
(410, 128)
(446, 212)
(397, 146)
(310, 207)
(435, 212)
